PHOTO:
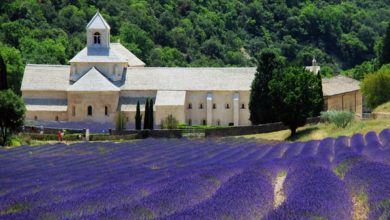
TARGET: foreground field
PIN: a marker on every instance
(343, 178)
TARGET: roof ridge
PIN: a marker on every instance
(47, 65)
(183, 67)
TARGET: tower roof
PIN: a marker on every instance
(98, 22)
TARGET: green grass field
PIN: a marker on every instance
(323, 130)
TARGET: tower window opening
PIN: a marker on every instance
(106, 110)
(96, 38)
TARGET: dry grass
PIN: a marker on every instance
(384, 108)
(279, 196)
(323, 130)
(360, 206)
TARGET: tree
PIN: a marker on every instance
(12, 114)
(3, 74)
(260, 99)
(151, 115)
(121, 121)
(320, 106)
(138, 118)
(146, 119)
(385, 51)
(295, 96)
(376, 86)
(14, 65)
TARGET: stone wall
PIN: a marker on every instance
(78, 103)
(351, 101)
(247, 130)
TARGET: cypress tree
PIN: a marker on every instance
(151, 120)
(385, 51)
(146, 117)
(320, 106)
(138, 117)
(3, 75)
(260, 103)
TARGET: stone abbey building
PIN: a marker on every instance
(105, 78)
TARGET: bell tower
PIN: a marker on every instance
(98, 32)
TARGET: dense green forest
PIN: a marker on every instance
(339, 33)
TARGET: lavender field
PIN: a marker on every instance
(343, 178)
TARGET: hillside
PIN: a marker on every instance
(339, 33)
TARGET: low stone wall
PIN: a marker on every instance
(151, 133)
(380, 115)
(254, 129)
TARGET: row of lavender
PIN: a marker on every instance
(203, 179)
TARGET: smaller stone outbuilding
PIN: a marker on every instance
(343, 94)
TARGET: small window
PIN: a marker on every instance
(56, 118)
(189, 106)
(218, 122)
(35, 118)
(189, 122)
(242, 106)
(96, 38)
(227, 106)
(204, 122)
(89, 110)
(106, 110)
(214, 106)
(73, 111)
(201, 106)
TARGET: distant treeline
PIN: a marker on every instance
(340, 34)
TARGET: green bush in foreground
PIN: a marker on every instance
(169, 122)
(12, 112)
(339, 118)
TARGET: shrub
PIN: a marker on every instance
(376, 86)
(339, 118)
(169, 122)
(121, 121)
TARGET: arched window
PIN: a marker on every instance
(89, 110)
(214, 106)
(189, 106)
(56, 118)
(201, 106)
(242, 106)
(227, 106)
(106, 110)
(204, 122)
(96, 38)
